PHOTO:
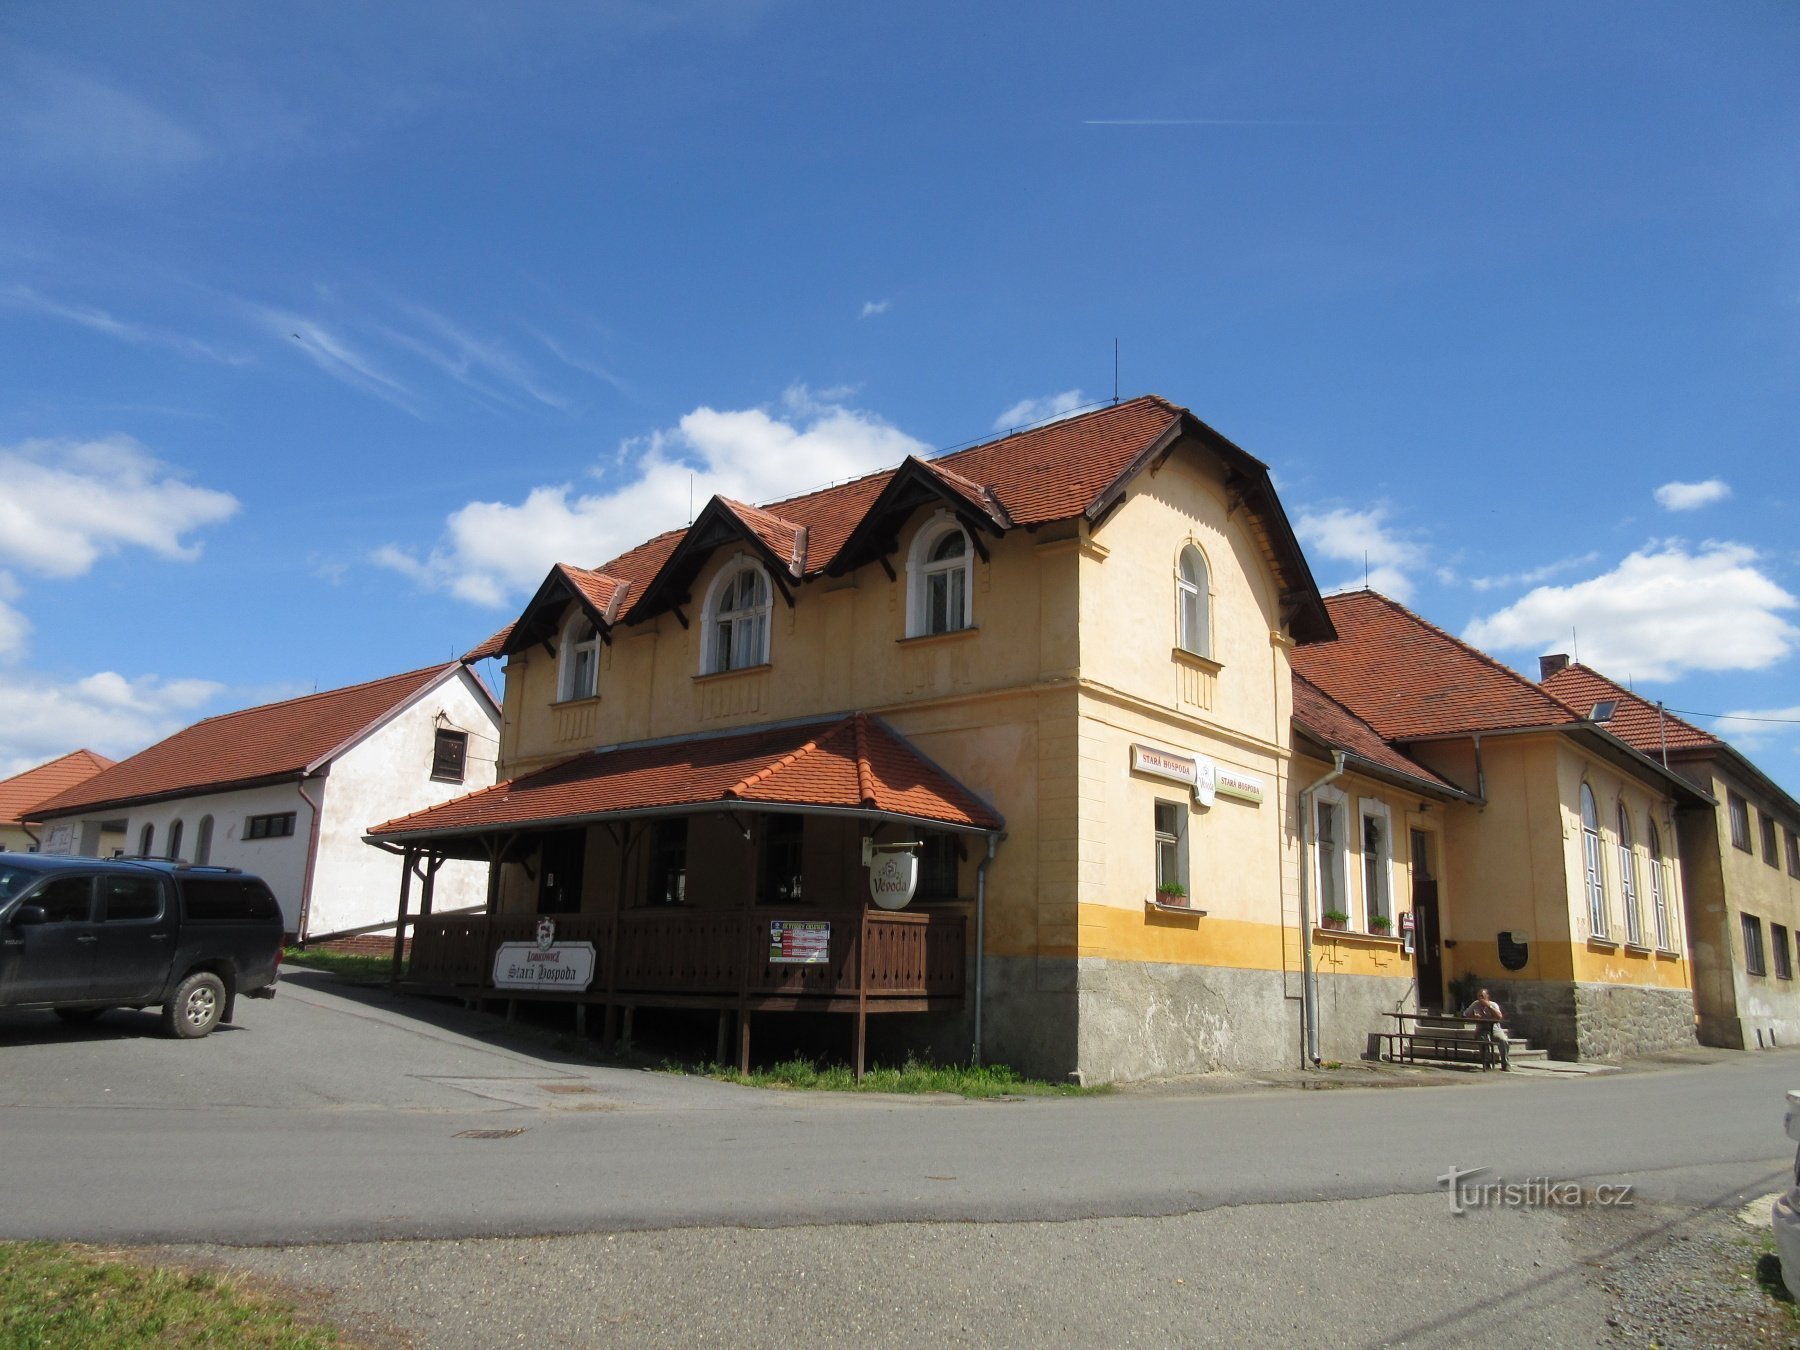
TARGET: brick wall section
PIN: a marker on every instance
(367, 944)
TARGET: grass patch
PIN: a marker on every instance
(56, 1294)
(913, 1077)
(362, 969)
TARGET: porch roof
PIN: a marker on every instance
(852, 765)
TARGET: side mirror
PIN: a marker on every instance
(27, 915)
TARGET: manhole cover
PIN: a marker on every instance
(486, 1134)
(565, 1088)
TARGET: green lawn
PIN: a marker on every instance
(54, 1294)
(363, 969)
(962, 1079)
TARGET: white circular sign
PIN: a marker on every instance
(893, 877)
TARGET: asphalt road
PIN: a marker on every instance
(326, 1142)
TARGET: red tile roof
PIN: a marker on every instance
(1635, 720)
(23, 792)
(1409, 679)
(853, 763)
(1336, 726)
(785, 539)
(274, 741)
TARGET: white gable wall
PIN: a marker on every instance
(388, 774)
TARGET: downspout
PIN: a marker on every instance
(993, 844)
(36, 843)
(1309, 980)
(312, 853)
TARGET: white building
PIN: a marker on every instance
(288, 790)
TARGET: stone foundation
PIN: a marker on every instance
(1596, 1021)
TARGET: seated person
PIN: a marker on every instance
(1491, 1015)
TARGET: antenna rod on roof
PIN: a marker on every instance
(1365, 569)
(1115, 370)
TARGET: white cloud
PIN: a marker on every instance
(1692, 496)
(1364, 540)
(68, 503)
(871, 308)
(124, 330)
(494, 552)
(1660, 612)
(41, 718)
(1530, 578)
(1756, 728)
(14, 626)
(334, 355)
(470, 357)
(1028, 411)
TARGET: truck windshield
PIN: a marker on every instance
(15, 879)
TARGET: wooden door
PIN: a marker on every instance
(1428, 944)
(559, 872)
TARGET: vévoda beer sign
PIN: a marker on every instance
(544, 963)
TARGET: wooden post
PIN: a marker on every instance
(431, 871)
(862, 991)
(406, 875)
(744, 1041)
(723, 1037)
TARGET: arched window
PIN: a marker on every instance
(146, 840)
(1659, 899)
(174, 841)
(203, 842)
(1628, 880)
(940, 580)
(580, 659)
(735, 633)
(1194, 627)
(1596, 876)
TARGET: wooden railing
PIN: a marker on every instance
(914, 954)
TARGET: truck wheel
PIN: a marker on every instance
(79, 1016)
(195, 1007)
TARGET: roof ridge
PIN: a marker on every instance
(762, 775)
(1498, 666)
(322, 693)
(1575, 667)
(865, 773)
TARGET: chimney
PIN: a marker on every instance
(1549, 665)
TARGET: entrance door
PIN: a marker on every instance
(559, 872)
(1428, 945)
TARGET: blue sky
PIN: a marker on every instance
(324, 328)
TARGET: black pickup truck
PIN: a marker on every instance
(81, 935)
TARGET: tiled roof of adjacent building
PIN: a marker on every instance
(1335, 726)
(852, 764)
(271, 742)
(1059, 471)
(1410, 680)
(23, 792)
(1635, 720)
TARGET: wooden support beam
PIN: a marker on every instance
(406, 876)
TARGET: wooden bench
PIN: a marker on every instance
(1438, 1038)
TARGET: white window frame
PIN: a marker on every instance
(1594, 862)
(755, 620)
(570, 650)
(1198, 592)
(1178, 842)
(1628, 879)
(1659, 895)
(921, 569)
(1335, 801)
(1373, 808)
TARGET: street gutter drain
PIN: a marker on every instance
(486, 1134)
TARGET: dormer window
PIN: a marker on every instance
(1193, 603)
(941, 582)
(580, 658)
(735, 634)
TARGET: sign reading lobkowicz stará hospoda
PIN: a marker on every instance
(544, 963)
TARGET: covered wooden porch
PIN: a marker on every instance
(695, 903)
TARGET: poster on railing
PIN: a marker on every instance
(531, 965)
(799, 942)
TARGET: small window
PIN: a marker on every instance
(941, 581)
(174, 851)
(579, 659)
(66, 900)
(940, 862)
(1628, 880)
(1753, 945)
(1659, 899)
(1778, 946)
(1191, 591)
(146, 841)
(782, 860)
(1377, 852)
(203, 842)
(1793, 845)
(1771, 854)
(736, 631)
(1740, 820)
(1591, 859)
(448, 753)
(1171, 851)
(1330, 852)
(668, 862)
(279, 826)
(124, 899)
